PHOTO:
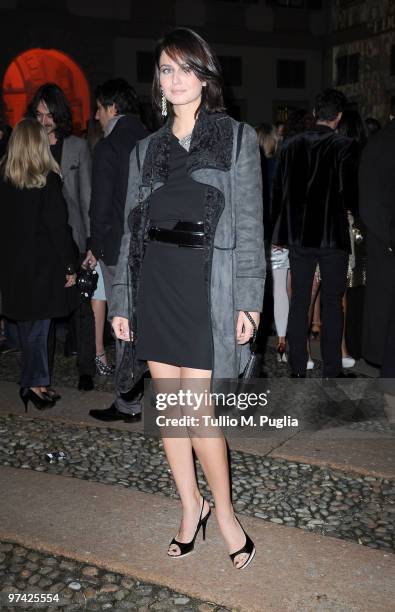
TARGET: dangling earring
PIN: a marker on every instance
(164, 105)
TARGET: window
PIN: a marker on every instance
(232, 69)
(240, 1)
(145, 66)
(392, 68)
(347, 69)
(287, 3)
(302, 4)
(291, 74)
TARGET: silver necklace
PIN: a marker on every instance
(185, 141)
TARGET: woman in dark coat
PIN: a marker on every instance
(36, 252)
(194, 234)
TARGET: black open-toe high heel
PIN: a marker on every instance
(41, 403)
(248, 549)
(186, 548)
(52, 394)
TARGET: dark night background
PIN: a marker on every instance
(275, 54)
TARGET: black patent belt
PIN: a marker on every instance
(183, 234)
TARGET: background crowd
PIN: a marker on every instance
(328, 201)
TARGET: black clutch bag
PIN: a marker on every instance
(87, 282)
(253, 368)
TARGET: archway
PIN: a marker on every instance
(35, 67)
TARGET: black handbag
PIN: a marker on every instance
(244, 384)
(87, 282)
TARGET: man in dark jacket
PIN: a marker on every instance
(377, 209)
(314, 186)
(117, 112)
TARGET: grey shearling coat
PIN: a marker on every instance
(234, 250)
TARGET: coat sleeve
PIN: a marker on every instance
(85, 179)
(121, 295)
(55, 219)
(104, 172)
(250, 253)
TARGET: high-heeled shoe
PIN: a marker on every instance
(103, 369)
(248, 548)
(41, 403)
(281, 354)
(52, 394)
(186, 548)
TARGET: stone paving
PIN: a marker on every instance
(326, 501)
(78, 586)
(322, 500)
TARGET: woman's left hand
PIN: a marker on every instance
(70, 280)
(244, 329)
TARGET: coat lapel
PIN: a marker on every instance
(211, 147)
(68, 157)
(211, 144)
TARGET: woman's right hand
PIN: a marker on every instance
(120, 326)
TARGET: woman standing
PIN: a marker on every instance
(36, 252)
(195, 200)
(279, 262)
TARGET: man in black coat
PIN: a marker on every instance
(314, 186)
(377, 209)
(117, 112)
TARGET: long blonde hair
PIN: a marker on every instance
(267, 139)
(28, 159)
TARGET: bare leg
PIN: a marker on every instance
(314, 310)
(180, 457)
(212, 454)
(99, 311)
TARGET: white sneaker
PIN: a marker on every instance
(310, 365)
(348, 362)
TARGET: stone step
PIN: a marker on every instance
(128, 531)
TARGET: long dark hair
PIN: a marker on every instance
(58, 106)
(188, 47)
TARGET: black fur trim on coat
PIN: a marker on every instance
(211, 147)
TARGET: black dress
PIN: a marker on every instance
(173, 322)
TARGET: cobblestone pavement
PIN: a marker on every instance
(325, 501)
(78, 586)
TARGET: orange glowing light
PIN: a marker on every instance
(33, 68)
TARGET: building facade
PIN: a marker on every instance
(272, 51)
(363, 54)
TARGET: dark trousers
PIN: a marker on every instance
(11, 333)
(34, 340)
(388, 362)
(82, 336)
(333, 270)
